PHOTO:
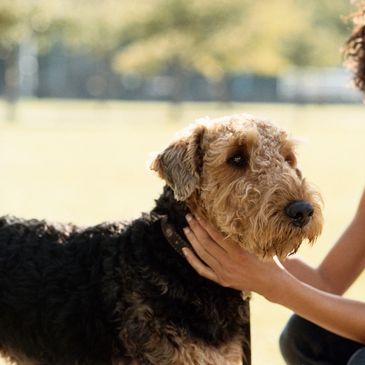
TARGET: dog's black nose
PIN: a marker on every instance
(299, 212)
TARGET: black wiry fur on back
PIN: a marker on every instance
(69, 295)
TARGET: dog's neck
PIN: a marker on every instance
(171, 215)
(167, 205)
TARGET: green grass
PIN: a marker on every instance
(87, 162)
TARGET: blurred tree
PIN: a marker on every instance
(215, 37)
(24, 22)
(92, 25)
(321, 38)
(104, 27)
(11, 30)
(212, 37)
(180, 36)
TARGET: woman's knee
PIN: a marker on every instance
(358, 358)
(303, 342)
(299, 341)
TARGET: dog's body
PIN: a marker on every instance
(111, 292)
(118, 294)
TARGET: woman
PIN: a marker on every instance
(327, 328)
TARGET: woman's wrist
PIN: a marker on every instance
(277, 284)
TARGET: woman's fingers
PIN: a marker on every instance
(199, 266)
(198, 229)
(212, 231)
(230, 268)
(199, 244)
(207, 242)
(225, 243)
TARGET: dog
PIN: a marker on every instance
(122, 293)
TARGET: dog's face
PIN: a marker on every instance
(241, 174)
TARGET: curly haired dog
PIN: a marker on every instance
(122, 293)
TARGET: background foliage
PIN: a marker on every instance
(210, 36)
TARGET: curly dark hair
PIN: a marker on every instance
(354, 50)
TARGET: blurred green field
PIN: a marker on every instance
(87, 162)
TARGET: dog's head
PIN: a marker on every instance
(241, 174)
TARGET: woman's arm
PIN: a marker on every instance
(345, 262)
(339, 315)
(224, 262)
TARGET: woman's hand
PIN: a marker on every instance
(224, 262)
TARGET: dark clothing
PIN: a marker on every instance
(304, 343)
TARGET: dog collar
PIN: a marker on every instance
(178, 243)
(172, 237)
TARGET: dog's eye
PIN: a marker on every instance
(238, 160)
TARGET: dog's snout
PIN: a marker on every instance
(299, 212)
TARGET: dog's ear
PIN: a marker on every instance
(181, 162)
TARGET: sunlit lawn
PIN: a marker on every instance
(88, 162)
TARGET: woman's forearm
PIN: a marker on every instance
(337, 314)
(345, 261)
(306, 273)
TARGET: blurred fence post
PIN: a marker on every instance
(11, 91)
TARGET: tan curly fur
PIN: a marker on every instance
(165, 344)
(246, 204)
